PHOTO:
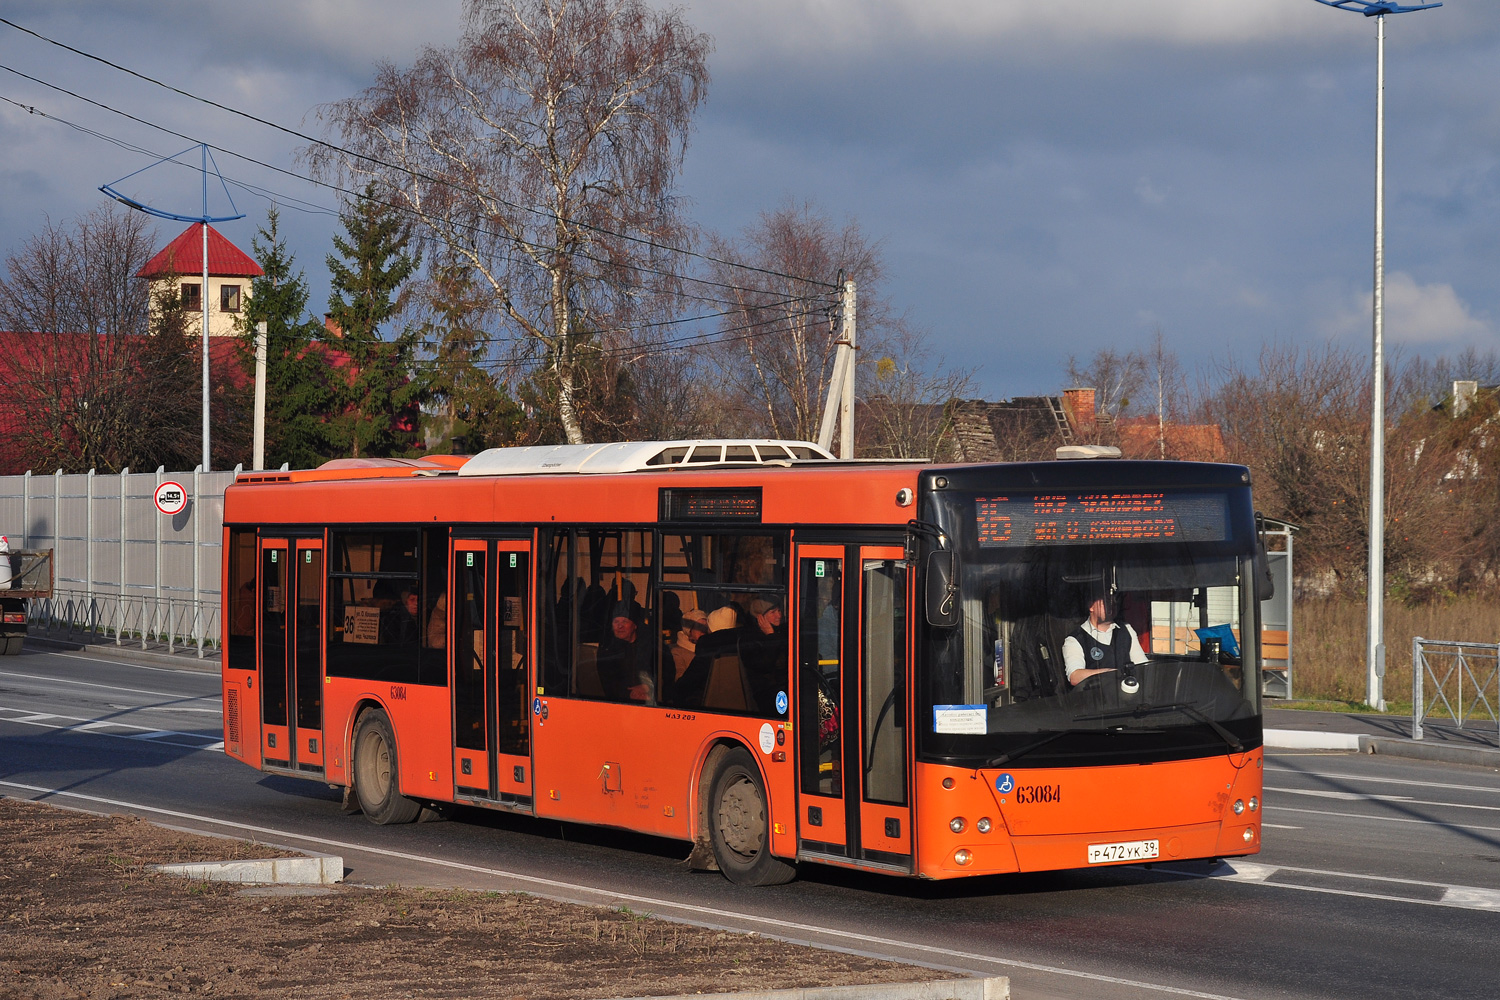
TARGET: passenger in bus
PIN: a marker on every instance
(402, 623)
(1100, 645)
(437, 623)
(626, 659)
(764, 651)
(715, 679)
(694, 627)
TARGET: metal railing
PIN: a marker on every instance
(148, 619)
(1465, 679)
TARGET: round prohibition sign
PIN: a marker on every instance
(170, 497)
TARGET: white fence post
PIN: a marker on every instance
(1417, 668)
(26, 510)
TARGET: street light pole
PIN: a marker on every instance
(1375, 574)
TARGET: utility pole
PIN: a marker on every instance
(840, 401)
(846, 407)
(259, 457)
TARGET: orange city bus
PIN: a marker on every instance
(772, 655)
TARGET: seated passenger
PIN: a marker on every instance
(626, 660)
(721, 643)
(694, 627)
(1099, 645)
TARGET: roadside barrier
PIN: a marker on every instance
(153, 621)
(1464, 678)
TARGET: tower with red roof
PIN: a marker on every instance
(180, 266)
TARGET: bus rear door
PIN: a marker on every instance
(852, 650)
(490, 584)
(291, 653)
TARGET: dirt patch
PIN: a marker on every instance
(83, 915)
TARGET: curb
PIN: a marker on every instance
(1422, 750)
(180, 661)
(322, 869)
(993, 988)
(1302, 739)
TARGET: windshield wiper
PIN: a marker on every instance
(1006, 758)
(1141, 711)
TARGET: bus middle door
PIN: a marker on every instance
(490, 582)
(851, 705)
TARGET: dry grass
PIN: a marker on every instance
(1329, 656)
(83, 915)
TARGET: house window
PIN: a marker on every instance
(192, 295)
(229, 298)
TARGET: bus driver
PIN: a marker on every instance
(1100, 644)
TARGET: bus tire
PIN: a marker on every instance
(375, 772)
(739, 823)
(13, 645)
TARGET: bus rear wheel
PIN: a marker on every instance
(375, 772)
(739, 825)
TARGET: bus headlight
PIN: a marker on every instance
(963, 855)
(1238, 807)
(1249, 834)
(1254, 803)
(983, 826)
(957, 824)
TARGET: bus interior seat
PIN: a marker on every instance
(586, 671)
(726, 685)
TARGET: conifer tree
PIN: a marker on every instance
(299, 379)
(378, 400)
(468, 410)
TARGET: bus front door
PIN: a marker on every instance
(291, 653)
(852, 652)
(490, 585)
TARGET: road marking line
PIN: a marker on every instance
(1476, 899)
(1386, 819)
(96, 727)
(1384, 781)
(778, 926)
(1456, 896)
(1279, 826)
(109, 687)
(1358, 797)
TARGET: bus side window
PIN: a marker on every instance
(240, 650)
(561, 590)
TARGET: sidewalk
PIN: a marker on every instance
(1293, 729)
(155, 655)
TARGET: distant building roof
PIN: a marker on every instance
(184, 256)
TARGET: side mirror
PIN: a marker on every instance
(942, 588)
(1265, 583)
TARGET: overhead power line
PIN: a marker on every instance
(644, 241)
(358, 196)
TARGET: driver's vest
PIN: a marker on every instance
(1112, 655)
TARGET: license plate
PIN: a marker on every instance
(1130, 850)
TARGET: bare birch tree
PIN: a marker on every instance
(779, 336)
(541, 152)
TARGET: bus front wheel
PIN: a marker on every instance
(739, 824)
(375, 772)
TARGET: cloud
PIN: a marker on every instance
(1430, 314)
(857, 25)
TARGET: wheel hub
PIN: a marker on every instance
(742, 818)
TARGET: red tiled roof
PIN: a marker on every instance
(184, 255)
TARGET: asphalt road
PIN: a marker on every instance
(1380, 876)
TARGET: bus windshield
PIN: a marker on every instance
(1094, 628)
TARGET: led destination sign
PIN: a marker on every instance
(1101, 518)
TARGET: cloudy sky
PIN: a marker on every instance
(1045, 177)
